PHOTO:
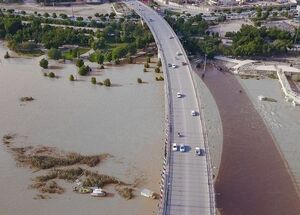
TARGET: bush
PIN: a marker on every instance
(6, 55)
(139, 80)
(79, 63)
(130, 60)
(102, 66)
(145, 70)
(93, 80)
(54, 54)
(159, 63)
(148, 59)
(71, 78)
(83, 70)
(44, 63)
(157, 70)
(107, 82)
(51, 75)
(146, 65)
(160, 78)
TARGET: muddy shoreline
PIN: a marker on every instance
(253, 178)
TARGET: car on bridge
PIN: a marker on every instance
(194, 113)
(199, 151)
(179, 95)
(174, 147)
(182, 148)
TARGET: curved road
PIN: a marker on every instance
(188, 189)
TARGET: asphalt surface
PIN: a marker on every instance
(188, 191)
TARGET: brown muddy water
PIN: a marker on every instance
(125, 120)
(253, 177)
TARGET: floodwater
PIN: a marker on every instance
(125, 120)
(253, 178)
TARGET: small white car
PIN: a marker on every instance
(179, 95)
(174, 147)
(182, 148)
(174, 66)
(171, 37)
(178, 53)
(193, 113)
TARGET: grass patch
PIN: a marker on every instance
(69, 55)
(125, 192)
(273, 76)
(47, 161)
(26, 99)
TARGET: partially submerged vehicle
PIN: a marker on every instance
(148, 193)
(98, 192)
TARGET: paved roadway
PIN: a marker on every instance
(188, 180)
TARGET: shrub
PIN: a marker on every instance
(6, 55)
(157, 70)
(93, 80)
(79, 63)
(45, 74)
(44, 63)
(148, 59)
(102, 66)
(145, 70)
(71, 78)
(83, 70)
(51, 75)
(54, 54)
(139, 80)
(159, 63)
(130, 60)
(146, 65)
(160, 78)
(107, 82)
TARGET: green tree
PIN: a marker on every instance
(93, 80)
(107, 82)
(51, 75)
(83, 70)
(108, 56)
(6, 55)
(146, 65)
(159, 63)
(79, 63)
(54, 54)
(71, 78)
(148, 59)
(44, 63)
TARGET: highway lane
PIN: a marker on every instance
(188, 190)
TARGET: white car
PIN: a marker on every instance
(174, 66)
(178, 53)
(182, 148)
(171, 37)
(174, 147)
(179, 95)
(193, 113)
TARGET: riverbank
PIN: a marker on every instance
(125, 120)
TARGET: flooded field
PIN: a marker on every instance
(253, 178)
(125, 120)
